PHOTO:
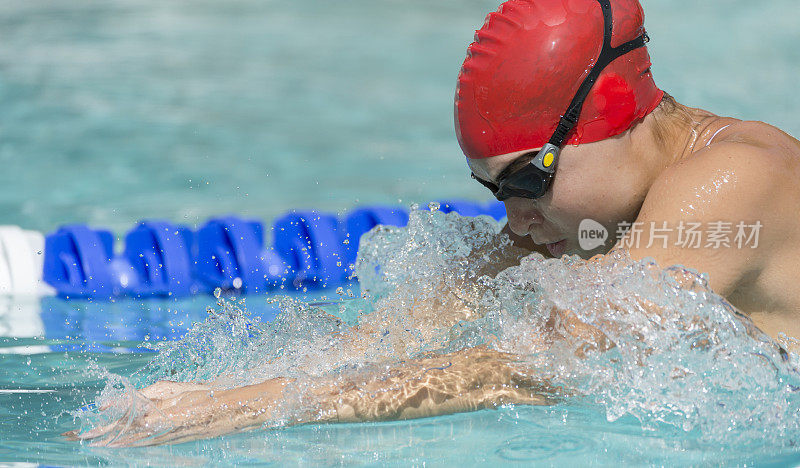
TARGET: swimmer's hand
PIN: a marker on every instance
(177, 412)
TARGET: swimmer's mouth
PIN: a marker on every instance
(557, 249)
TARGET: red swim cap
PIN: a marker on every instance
(528, 61)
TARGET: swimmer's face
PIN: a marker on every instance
(594, 180)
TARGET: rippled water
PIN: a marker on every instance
(686, 380)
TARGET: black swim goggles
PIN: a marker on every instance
(534, 178)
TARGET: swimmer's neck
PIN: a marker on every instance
(669, 134)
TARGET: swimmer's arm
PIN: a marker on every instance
(469, 380)
(463, 381)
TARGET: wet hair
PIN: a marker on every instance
(666, 117)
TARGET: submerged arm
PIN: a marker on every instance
(464, 381)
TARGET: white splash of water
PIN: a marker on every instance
(636, 339)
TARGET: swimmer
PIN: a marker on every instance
(564, 125)
(559, 116)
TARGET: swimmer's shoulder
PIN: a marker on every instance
(739, 179)
(753, 134)
(741, 171)
(759, 163)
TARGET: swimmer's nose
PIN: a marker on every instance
(522, 215)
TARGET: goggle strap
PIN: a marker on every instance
(607, 55)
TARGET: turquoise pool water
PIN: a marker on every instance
(114, 111)
(121, 110)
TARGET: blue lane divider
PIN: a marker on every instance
(311, 245)
(160, 253)
(77, 262)
(231, 256)
(495, 209)
(362, 220)
(310, 249)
